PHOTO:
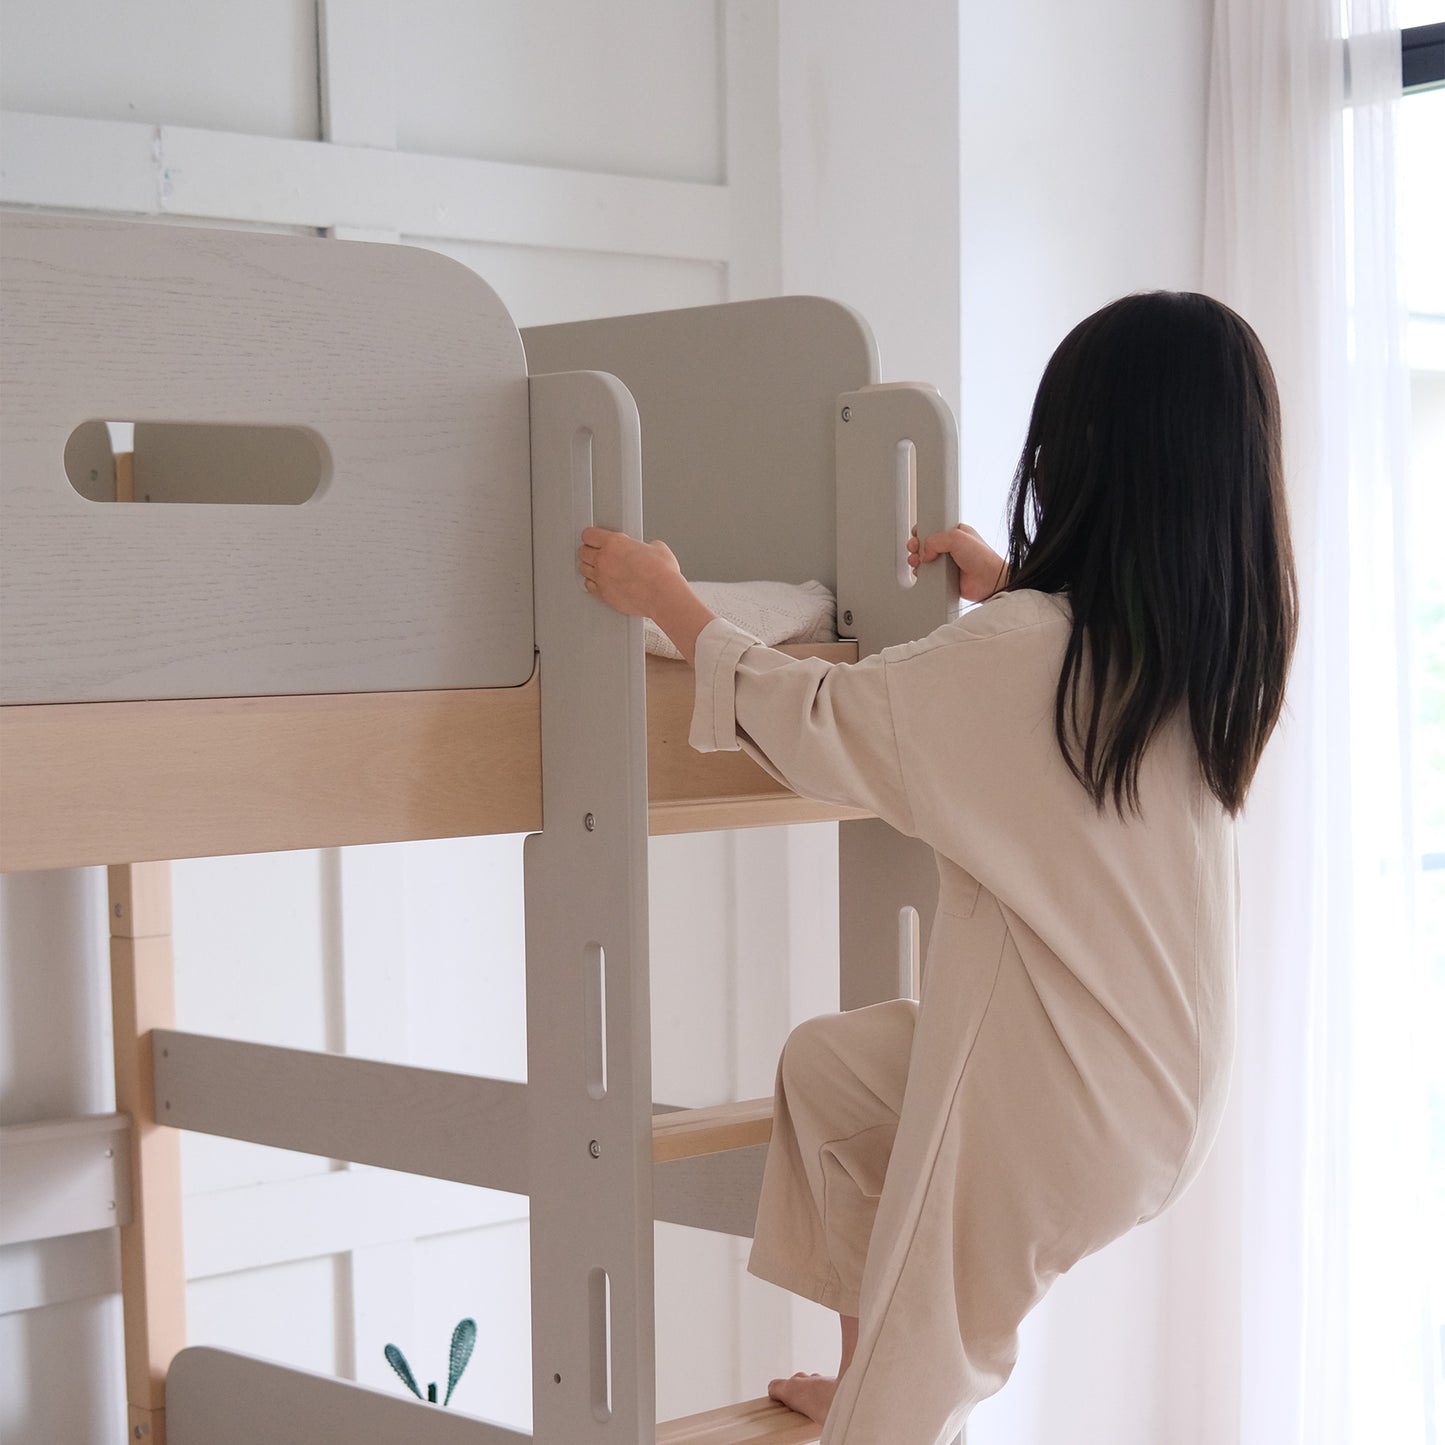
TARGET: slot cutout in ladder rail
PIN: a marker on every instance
(581, 489)
(905, 502)
(594, 984)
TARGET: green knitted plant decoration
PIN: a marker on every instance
(464, 1339)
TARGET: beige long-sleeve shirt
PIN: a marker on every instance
(1076, 1025)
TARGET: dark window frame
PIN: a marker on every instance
(1422, 56)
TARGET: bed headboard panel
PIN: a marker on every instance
(737, 405)
(409, 568)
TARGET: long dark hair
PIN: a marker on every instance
(1151, 491)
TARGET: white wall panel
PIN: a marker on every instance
(54, 996)
(257, 957)
(540, 285)
(207, 63)
(289, 1312)
(868, 98)
(62, 1376)
(696, 1288)
(693, 951)
(633, 88)
(465, 971)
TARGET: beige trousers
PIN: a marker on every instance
(838, 1097)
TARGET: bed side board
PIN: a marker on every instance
(737, 405)
(410, 568)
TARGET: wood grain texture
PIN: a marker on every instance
(91, 782)
(139, 896)
(711, 1191)
(410, 568)
(713, 815)
(686, 1133)
(676, 774)
(754, 1422)
(86, 783)
(152, 1265)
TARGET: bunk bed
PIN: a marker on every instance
(409, 654)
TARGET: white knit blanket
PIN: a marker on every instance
(773, 612)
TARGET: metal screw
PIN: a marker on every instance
(110, 1204)
(589, 822)
(595, 1149)
(110, 1153)
(556, 1379)
(847, 413)
(847, 619)
(141, 1431)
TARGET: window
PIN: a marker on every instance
(1421, 144)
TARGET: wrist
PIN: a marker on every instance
(681, 614)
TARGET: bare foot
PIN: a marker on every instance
(809, 1395)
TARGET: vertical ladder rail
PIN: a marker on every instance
(152, 1264)
(589, 1086)
(897, 451)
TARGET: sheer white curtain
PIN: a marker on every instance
(1308, 1320)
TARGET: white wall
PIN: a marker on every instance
(870, 155)
(1082, 180)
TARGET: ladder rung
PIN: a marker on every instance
(754, 1422)
(685, 1133)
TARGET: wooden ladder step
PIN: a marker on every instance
(686, 1133)
(754, 1422)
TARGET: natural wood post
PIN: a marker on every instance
(125, 476)
(152, 1265)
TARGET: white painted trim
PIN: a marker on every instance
(64, 1176)
(60, 162)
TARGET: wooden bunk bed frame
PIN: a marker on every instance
(410, 655)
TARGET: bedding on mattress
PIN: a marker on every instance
(773, 612)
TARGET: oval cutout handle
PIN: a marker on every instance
(196, 463)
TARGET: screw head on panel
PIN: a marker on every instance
(847, 619)
(589, 822)
(595, 1149)
(847, 413)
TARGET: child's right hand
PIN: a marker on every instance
(981, 571)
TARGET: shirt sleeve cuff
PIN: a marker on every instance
(714, 716)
